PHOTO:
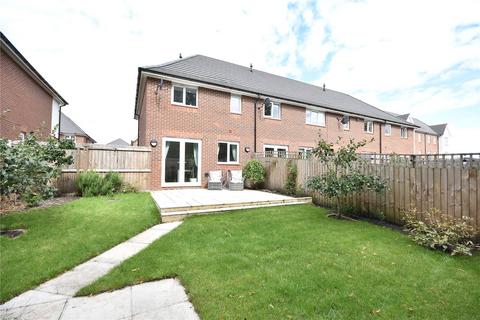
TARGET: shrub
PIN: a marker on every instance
(440, 232)
(291, 183)
(112, 183)
(254, 172)
(89, 184)
(29, 168)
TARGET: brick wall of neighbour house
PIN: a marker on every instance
(29, 104)
(79, 139)
(426, 146)
(212, 122)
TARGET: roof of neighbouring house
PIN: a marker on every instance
(439, 128)
(68, 127)
(229, 75)
(118, 142)
(422, 126)
(13, 52)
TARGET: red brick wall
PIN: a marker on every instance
(29, 104)
(425, 146)
(212, 122)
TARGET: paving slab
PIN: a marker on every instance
(119, 253)
(181, 311)
(72, 281)
(159, 294)
(31, 297)
(110, 305)
(42, 311)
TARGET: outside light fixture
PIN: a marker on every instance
(153, 143)
(247, 149)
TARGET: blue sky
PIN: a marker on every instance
(419, 57)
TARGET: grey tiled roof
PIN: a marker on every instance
(439, 128)
(221, 73)
(422, 126)
(68, 127)
(118, 142)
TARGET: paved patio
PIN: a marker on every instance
(176, 204)
(164, 299)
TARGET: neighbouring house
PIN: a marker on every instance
(444, 137)
(425, 137)
(201, 114)
(119, 143)
(28, 103)
(70, 130)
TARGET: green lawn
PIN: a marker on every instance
(295, 263)
(61, 237)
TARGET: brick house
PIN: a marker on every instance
(201, 114)
(70, 130)
(28, 103)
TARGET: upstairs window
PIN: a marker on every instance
(316, 118)
(388, 129)
(235, 103)
(428, 139)
(434, 140)
(404, 132)
(368, 126)
(346, 125)
(227, 152)
(272, 111)
(185, 96)
(419, 137)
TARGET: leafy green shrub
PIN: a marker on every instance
(254, 172)
(29, 168)
(89, 184)
(440, 232)
(291, 183)
(112, 183)
(128, 188)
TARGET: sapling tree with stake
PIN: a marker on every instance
(342, 176)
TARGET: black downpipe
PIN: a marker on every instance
(255, 125)
(59, 120)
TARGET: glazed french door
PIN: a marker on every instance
(181, 162)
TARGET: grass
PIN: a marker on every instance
(295, 263)
(61, 237)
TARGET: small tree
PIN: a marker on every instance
(254, 172)
(342, 177)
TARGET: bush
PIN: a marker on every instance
(29, 168)
(89, 184)
(440, 232)
(291, 183)
(112, 183)
(254, 172)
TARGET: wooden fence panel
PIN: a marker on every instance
(449, 183)
(132, 163)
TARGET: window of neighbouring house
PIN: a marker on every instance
(388, 129)
(316, 118)
(186, 96)
(71, 137)
(428, 139)
(368, 126)
(404, 132)
(275, 151)
(272, 111)
(235, 103)
(22, 136)
(419, 137)
(434, 140)
(346, 126)
(304, 152)
(227, 152)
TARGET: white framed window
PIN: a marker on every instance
(419, 137)
(346, 126)
(388, 129)
(71, 137)
(305, 152)
(235, 103)
(403, 132)
(184, 96)
(22, 136)
(428, 139)
(316, 118)
(368, 126)
(227, 152)
(434, 140)
(272, 111)
(271, 150)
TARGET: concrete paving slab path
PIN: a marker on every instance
(164, 299)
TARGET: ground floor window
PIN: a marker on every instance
(275, 150)
(305, 152)
(227, 152)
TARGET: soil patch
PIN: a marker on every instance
(10, 207)
(13, 233)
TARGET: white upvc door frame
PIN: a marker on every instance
(181, 169)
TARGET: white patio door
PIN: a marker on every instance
(181, 162)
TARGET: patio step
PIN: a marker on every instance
(179, 213)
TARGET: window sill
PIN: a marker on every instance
(229, 163)
(367, 132)
(183, 105)
(315, 125)
(271, 118)
(235, 112)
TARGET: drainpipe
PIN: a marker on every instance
(425, 142)
(255, 124)
(380, 133)
(60, 118)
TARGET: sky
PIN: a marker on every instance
(418, 57)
